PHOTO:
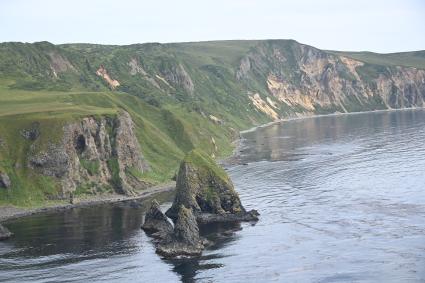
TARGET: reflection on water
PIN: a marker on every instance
(341, 200)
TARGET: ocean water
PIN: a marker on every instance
(342, 199)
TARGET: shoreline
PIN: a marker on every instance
(12, 212)
(233, 158)
(326, 115)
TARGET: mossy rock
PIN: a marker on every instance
(205, 187)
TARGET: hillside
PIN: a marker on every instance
(415, 59)
(178, 96)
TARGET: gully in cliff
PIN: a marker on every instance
(204, 194)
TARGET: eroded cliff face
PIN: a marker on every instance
(177, 75)
(102, 72)
(94, 152)
(307, 80)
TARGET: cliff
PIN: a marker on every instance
(306, 81)
(60, 131)
(88, 156)
(93, 152)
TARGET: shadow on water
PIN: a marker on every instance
(53, 240)
(101, 228)
(188, 268)
(219, 235)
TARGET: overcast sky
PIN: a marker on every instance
(375, 25)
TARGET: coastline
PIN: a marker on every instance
(12, 212)
(327, 115)
(233, 158)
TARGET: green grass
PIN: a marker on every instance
(92, 167)
(169, 122)
(414, 59)
(92, 189)
(205, 164)
(165, 135)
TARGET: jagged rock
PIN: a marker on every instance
(156, 222)
(5, 181)
(185, 240)
(206, 188)
(4, 233)
(94, 150)
(128, 153)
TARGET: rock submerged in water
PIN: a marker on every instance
(156, 223)
(4, 233)
(182, 240)
(185, 239)
(206, 188)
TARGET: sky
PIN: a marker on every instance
(356, 25)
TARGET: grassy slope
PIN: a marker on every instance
(169, 121)
(161, 143)
(414, 59)
(166, 130)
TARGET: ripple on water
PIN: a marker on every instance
(341, 200)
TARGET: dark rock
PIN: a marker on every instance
(4, 181)
(54, 162)
(4, 233)
(71, 198)
(32, 133)
(206, 188)
(134, 204)
(185, 240)
(156, 221)
(205, 218)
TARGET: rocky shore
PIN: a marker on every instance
(12, 212)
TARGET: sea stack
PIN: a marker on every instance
(204, 194)
(4, 233)
(182, 240)
(205, 188)
(185, 239)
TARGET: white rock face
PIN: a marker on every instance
(305, 79)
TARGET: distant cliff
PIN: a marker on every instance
(241, 82)
(307, 80)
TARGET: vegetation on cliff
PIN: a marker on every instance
(179, 97)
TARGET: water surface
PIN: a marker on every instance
(341, 198)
